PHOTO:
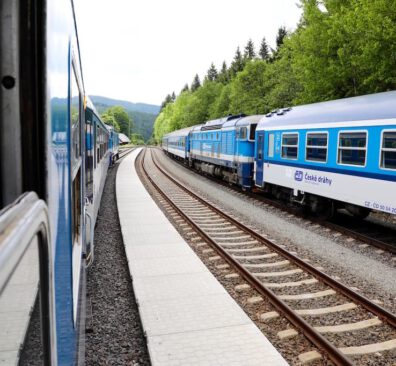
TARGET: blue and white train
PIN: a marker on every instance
(323, 156)
(55, 152)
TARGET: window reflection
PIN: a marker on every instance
(20, 336)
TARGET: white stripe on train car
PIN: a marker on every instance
(177, 152)
(366, 192)
(227, 157)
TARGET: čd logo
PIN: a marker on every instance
(298, 175)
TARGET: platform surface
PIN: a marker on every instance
(188, 317)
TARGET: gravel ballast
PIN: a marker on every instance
(116, 337)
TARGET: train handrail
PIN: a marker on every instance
(20, 223)
(90, 256)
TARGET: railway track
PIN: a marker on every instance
(124, 152)
(344, 326)
(376, 235)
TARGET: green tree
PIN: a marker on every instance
(280, 37)
(238, 63)
(121, 117)
(348, 49)
(221, 105)
(202, 101)
(248, 89)
(196, 83)
(264, 50)
(110, 120)
(137, 139)
(223, 76)
(212, 73)
(168, 99)
(281, 85)
(249, 52)
(185, 88)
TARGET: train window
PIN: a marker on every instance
(271, 145)
(75, 109)
(388, 150)
(289, 145)
(76, 209)
(243, 133)
(352, 148)
(252, 133)
(316, 149)
(260, 148)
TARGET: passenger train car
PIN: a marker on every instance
(333, 154)
(114, 144)
(178, 143)
(323, 156)
(55, 152)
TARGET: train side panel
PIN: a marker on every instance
(361, 173)
(65, 131)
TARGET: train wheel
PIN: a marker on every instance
(362, 214)
(323, 209)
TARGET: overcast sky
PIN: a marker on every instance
(142, 50)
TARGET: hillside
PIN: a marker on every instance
(138, 107)
(143, 115)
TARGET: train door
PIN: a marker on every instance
(218, 144)
(259, 163)
(237, 136)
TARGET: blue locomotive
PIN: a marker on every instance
(55, 154)
(323, 156)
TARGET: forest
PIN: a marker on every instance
(340, 48)
(133, 119)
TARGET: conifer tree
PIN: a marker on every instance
(282, 33)
(196, 83)
(223, 74)
(168, 99)
(264, 51)
(185, 88)
(238, 63)
(212, 73)
(173, 96)
(280, 37)
(249, 53)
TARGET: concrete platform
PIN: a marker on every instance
(188, 317)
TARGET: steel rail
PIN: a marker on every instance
(314, 336)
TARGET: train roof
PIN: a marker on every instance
(197, 128)
(123, 138)
(378, 106)
(219, 123)
(183, 132)
(243, 121)
(91, 106)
